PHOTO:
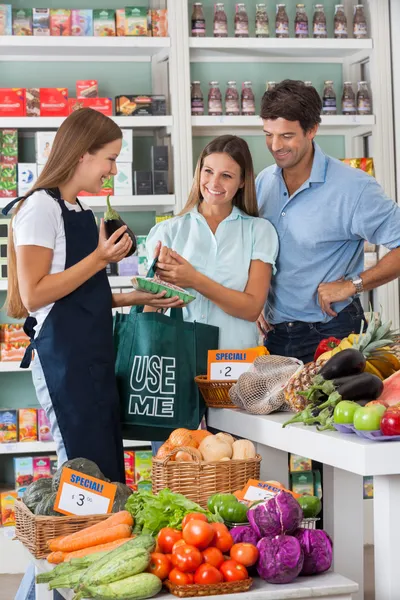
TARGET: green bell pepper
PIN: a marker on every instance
(228, 507)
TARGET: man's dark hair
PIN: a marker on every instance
(293, 101)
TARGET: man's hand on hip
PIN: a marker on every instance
(263, 325)
(335, 291)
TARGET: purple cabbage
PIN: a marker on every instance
(281, 514)
(281, 559)
(244, 533)
(317, 549)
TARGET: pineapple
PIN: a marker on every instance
(374, 345)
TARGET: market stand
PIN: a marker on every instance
(346, 459)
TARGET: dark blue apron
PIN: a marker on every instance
(76, 352)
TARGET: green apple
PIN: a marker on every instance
(344, 412)
(368, 418)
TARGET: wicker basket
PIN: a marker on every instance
(216, 589)
(215, 393)
(35, 531)
(198, 480)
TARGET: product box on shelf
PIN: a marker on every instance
(129, 460)
(54, 102)
(112, 270)
(8, 181)
(60, 22)
(141, 245)
(159, 22)
(4, 227)
(120, 21)
(300, 463)
(27, 175)
(128, 266)
(32, 102)
(12, 102)
(123, 180)
(41, 21)
(126, 154)
(3, 271)
(8, 426)
(23, 471)
(130, 105)
(11, 352)
(43, 143)
(82, 21)
(53, 464)
(22, 21)
(3, 249)
(41, 467)
(368, 487)
(87, 88)
(159, 158)
(104, 23)
(103, 105)
(158, 105)
(12, 333)
(27, 425)
(44, 430)
(143, 266)
(143, 183)
(160, 182)
(9, 146)
(143, 465)
(7, 505)
(303, 483)
(136, 21)
(5, 19)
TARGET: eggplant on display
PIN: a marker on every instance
(113, 221)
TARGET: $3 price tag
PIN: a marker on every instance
(79, 494)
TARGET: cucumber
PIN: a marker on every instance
(137, 587)
(69, 580)
(132, 562)
(70, 566)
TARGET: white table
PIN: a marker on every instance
(346, 459)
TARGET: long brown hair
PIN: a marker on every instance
(245, 198)
(85, 130)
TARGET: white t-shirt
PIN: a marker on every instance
(39, 222)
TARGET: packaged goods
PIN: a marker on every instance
(158, 105)
(7, 503)
(281, 22)
(23, 471)
(103, 105)
(262, 21)
(319, 22)
(87, 88)
(120, 21)
(41, 21)
(141, 245)
(159, 158)
(160, 182)
(3, 249)
(365, 164)
(301, 22)
(143, 466)
(214, 99)
(112, 270)
(159, 22)
(8, 426)
(220, 25)
(54, 102)
(43, 143)
(340, 22)
(123, 180)
(8, 189)
(53, 465)
(143, 266)
(303, 483)
(9, 146)
(198, 20)
(27, 425)
(44, 430)
(135, 21)
(197, 99)
(41, 467)
(360, 30)
(12, 102)
(12, 333)
(299, 463)
(22, 21)
(241, 21)
(143, 183)
(60, 22)
(328, 99)
(5, 19)
(348, 99)
(130, 105)
(82, 21)
(126, 154)
(129, 460)
(247, 99)
(3, 270)
(27, 175)
(128, 266)
(104, 23)
(363, 99)
(232, 107)
(33, 102)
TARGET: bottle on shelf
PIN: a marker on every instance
(340, 22)
(348, 99)
(363, 99)
(214, 99)
(308, 84)
(271, 85)
(319, 22)
(220, 20)
(241, 21)
(360, 31)
(262, 21)
(281, 22)
(328, 99)
(248, 100)
(232, 107)
(301, 22)
(198, 20)
(197, 99)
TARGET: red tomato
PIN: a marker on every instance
(160, 565)
(180, 542)
(390, 422)
(169, 556)
(246, 554)
(222, 538)
(191, 516)
(233, 571)
(198, 533)
(180, 578)
(167, 538)
(213, 557)
(207, 574)
(186, 558)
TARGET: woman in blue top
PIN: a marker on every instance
(218, 247)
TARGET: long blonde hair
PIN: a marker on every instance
(245, 198)
(85, 130)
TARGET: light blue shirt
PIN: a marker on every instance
(321, 229)
(224, 257)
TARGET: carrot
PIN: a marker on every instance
(94, 549)
(123, 517)
(56, 558)
(94, 538)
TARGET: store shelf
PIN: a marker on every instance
(159, 203)
(46, 447)
(82, 48)
(12, 367)
(120, 281)
(243, 121)
(55, 122)
(239, 49)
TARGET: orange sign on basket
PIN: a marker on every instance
(80, 494)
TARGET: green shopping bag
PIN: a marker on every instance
(157, 358)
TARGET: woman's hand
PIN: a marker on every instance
(110, 250)
(179, 272)
(153, 300)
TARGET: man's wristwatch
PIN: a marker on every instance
(358, 284)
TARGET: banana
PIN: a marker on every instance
(369, 368)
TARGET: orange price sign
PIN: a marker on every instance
(80, 494)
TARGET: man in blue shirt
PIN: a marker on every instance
(323, 211)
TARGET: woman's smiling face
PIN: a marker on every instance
(220, 179)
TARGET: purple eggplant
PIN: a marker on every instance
(113, 221)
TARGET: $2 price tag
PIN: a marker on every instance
(80, 494)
